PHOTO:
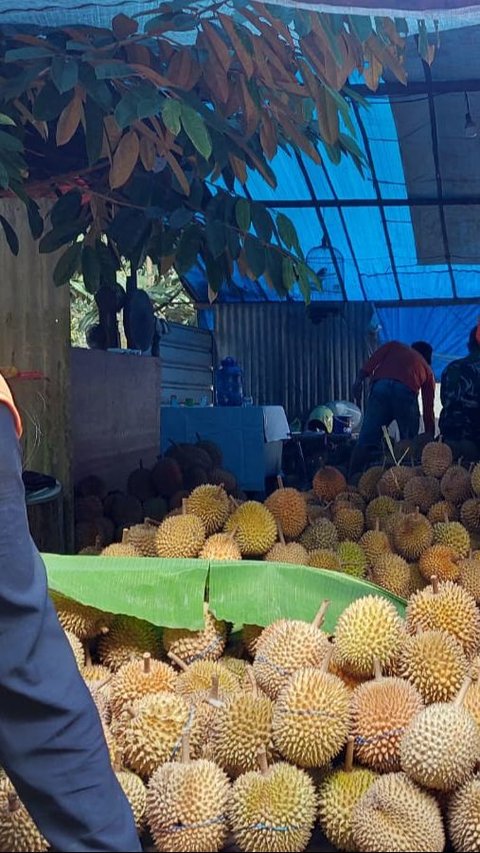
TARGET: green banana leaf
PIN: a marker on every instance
(170, 593)
(258, 593)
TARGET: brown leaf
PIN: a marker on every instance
(69, 119)
(105, 153)
(239, 168)
(276, 23)
(431, 53)
(268, 137)
(327, 116)
(147, 153)
(124, 26)
(138, 53)
(296, 136)
(389, 28)
(263, 69)
(387, 58)
(234, 103)
(373, 71)
(112, 131)
(216, 80)
(183, 72)
(124, 160)
(242, 54)
(177, 171)
(250, 111)
(217, 45)
(355, 50)
(270, 35)
(150, 74)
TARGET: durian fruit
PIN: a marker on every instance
(442, 745)
(434, 662)
(250, 636)
(392, 572)
(123, 548)
(350, 499)
(135, 792)
(338, 794)
(442, 511)
(446, 607)
(412, 535)
(142, 538)
(422, 492)
(274, 810)
(381, 712)
(289, 508)
(328, 482)
(96, 674)
(124, 510)
(191, 646)
(469, 576)
(452, 533)
(417, 581)
(92, 550)
(368, 628)
(393, 480)
(319, 535)
(138, 679)
(182, 536)
(211, 505)
(221, 547)
(255, 529)
(140, 483)
(167, 477)
(475, 479)
(289, 645)
(240, 729)
(324, 558)
(470, 515)
(380, 508)
(441, 561)
(77, 649)
(472, 698)
(350, 524)
(155, 509)
(455, 485)
(437, 458)
(375, 543)
(187, 806)
(152, 731)
(368, 482)
(395, 814)
(352, 557)
(311, 717)
(464, 817)
(288, 552)
(128, 639)
(198, 677)
(350, 681)
(83, 621)
(18, 833)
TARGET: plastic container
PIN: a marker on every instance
(229, 383)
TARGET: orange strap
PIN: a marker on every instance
(7, 399)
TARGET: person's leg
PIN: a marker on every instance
(406, 411)
(51, 740)
(379, 413)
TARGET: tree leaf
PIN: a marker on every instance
(239, 168)
(35, 220)
(187, 250)
(243, 214)
(262, 222)
(304, 282)
(49, 103)
(23, 54)
(196, 130)
(147, 153)
(215, 275)
(97, 89)
(171, 112)
(216, 237)
(67, 265)
(387, 58)
(10, 236)
(112, 70)
(217, 45)
(4, 177)
(124, 26)
(268, 136)
(288, 233)
(93, 130)
(64, 73)
(59, 236)
(69, 120)
(288, 274)
(361, 26)
(67, 208)
(4, 119)
(8, 142)
(124, 160)
(274, 271)
(180, 217)
(352, 147)
(255, 255)
(90, 269)
(242, 54)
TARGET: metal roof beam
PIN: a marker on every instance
(416, 87)
(411, 201)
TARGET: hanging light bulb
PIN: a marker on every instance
(471, 128)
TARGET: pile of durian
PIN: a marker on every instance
(372, 734)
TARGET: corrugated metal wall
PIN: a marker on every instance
(289, 361)
(186, 357)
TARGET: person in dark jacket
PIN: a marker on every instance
(52, 745)
(460, 395)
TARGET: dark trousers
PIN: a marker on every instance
(389, 401)
(51, 740)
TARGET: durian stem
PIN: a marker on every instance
(348, 766)
(262, 760)
(125, 535)
(320, 617)
(184, 506)
(13, 802)
(117, 762)
(280, 482)
(233, 533)
(280, 533)
(88, 655)
(377, 525)
(460, 697)
(186, 748)
(326, 661)
(104, 630)
(253, 682)
(146, 662)
(377, 669)
(234, 502)
(434, 581)
(152, 522)
(445, 517)
(179, 662)
(214, 688)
